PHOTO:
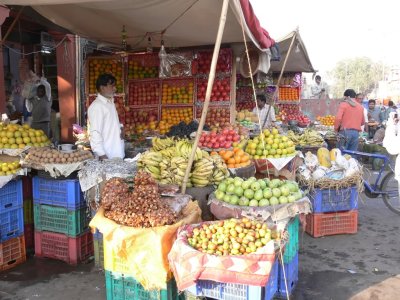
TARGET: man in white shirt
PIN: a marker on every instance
(263, 111)
(319, 90)
(104, 127)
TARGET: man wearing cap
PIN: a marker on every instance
(348, 121)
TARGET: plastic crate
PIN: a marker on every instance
(332, 223)
(28, 211)
(11, 224)
(27, 189)
(292, 277)
(233, 291)
(62, 247)
(334, 200)
(61, 220)
(121, 287)
(65, 193)
(98, 253)
(12, 253)
(11, 195)
(292, 247)
(29, 234)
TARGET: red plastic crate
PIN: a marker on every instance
(29, 234)
(12, 253)
(332, 223)
(62, 247)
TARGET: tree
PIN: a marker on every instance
(360, 74)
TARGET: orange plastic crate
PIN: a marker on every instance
(12, 253)
(332, 223)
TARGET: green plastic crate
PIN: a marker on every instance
(28, 211)
(98, 253)
(292, 247)
(120, 287)
(61, 220)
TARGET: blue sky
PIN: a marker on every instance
(334, 30)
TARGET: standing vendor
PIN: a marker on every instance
(40, 106)
(349, 119)
(105, 129)
(263, 107)
(319, 90)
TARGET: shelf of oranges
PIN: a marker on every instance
(328, 120)
(172, 115)
(177, 91)
(289, 94)
(100, 65)
(143, 65)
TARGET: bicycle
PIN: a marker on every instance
(388, 187)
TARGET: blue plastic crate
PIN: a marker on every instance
(292, 277)
(66, 193)
(292, 247)
(11, 195)
(11, 223)
(233, 291)
(334, 200)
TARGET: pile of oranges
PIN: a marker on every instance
(172, 116)
(235, 158)
(289, 94)
(99, 66)
(328, 120)
(177, 95)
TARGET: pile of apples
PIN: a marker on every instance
(230, 237)
(292, 112)
(224, 62)
(246, 105)
(253, 192)
(214, 140)
(216, 116)
(139, 120)
(220, 91)
(144, 93)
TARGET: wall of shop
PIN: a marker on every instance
(316, 107)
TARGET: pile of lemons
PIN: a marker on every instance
(9, 168)
(14, 136)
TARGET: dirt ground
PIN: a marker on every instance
(364, 266)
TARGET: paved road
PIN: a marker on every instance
(337, 267)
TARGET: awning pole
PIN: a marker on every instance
(12, 24)
(282, 70)
(210, 83)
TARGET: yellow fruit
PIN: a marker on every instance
(335, 153)
(323, 157)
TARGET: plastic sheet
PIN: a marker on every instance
(142, 251)
(174, 65)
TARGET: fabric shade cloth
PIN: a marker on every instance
(181, 23)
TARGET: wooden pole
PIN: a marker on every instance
(232, 109)
(282, 70)
(210, 83)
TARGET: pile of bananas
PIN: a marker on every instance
(308, 138)
(167, 163)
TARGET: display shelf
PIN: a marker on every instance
(144, 92)
(105, 64)
(179, 90)
(288, 102)
(213, 104)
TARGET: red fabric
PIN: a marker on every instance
(349, 117)
(190, 265)
(259, 33)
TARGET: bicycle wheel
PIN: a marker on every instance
(391, 198)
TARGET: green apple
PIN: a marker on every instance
(222, 187)
(283, 200)
(284, 190)
(230, 189)
(234, 199)
(239, 191)
(219, 195)
(258, 195)
(276, 192)
(267, 193)
(246, 184)
(227, 198)
(273, 201)
(262, 183)
(237, 181)
(243, 201)
(263, 202)
(253, 203)
(255, 186)
(291, 198)
(249, 194)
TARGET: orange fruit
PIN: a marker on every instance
(230, 166)
(231, 161)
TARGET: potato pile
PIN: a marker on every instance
(52, 156)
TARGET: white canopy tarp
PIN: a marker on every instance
(298, 60)
(183, 22)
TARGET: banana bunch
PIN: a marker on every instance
(160, 144)
(150, 162)
(184, 149)
(308, 138)
(169, 152)
(172, 170)
(209, 170)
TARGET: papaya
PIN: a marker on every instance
(323, 157)
(335, 153)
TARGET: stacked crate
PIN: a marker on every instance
(334, 212)
(27, 192)
(12, 241)
(288, 270)
(61, 220)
